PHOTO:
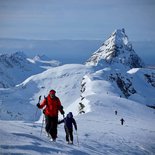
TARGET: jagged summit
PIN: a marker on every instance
(118, 51)
(11, 60)
(119, 38)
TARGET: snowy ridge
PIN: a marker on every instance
(133, 85)
(116, 50)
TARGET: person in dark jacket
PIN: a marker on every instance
(52, 106)
(115, 112)
(122, 121)
(69, 121)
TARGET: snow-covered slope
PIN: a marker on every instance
(99, 129)
(16, 67)
(65, 80)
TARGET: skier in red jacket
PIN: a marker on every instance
(52, 106)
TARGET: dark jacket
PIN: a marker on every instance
(69, 121)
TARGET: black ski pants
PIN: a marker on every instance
(51, 126)
(69, 134)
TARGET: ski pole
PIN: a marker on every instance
(77, 138)
(42, 125)
(36, 111)
(35, 117)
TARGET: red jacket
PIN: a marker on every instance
(53, 105)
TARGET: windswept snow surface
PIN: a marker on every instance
(99, 129)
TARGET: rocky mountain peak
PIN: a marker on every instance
(116, 51)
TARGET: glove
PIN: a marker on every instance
(62, 112)
(38, 105)
(61, 107)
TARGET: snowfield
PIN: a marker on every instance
(99, 129)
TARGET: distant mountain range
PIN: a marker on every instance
(16, 67)
(73, 51)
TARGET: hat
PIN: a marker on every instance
(70, 115)
(52, 92)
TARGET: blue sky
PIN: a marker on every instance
(76, 19)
